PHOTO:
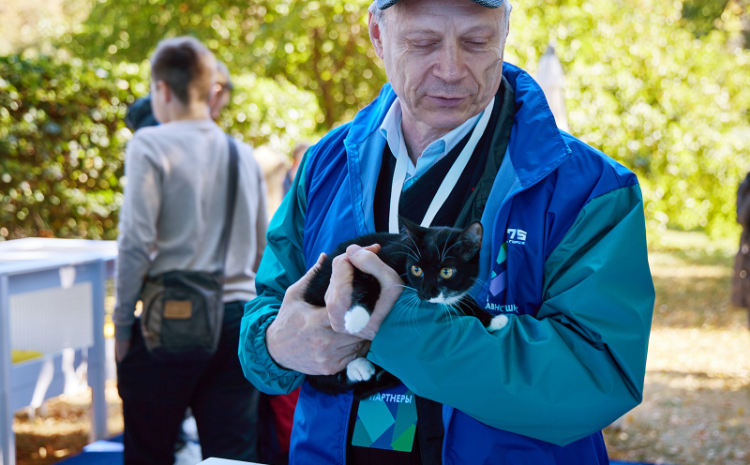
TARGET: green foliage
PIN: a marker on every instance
(699, 15)
(270, 112)
(660, 85)
(645, 91)
(62, 139)
(318, 45)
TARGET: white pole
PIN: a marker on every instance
(551, 79)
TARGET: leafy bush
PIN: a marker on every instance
(270, 112)
(61, 145)
(62, 139)
(660, 85)
(643, 89)
(318, 45)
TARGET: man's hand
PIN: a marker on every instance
(301, 337)
(338, 296)
(121, 349)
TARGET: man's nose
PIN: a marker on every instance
(451, 63)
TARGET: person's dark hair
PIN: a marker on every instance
(184, 63)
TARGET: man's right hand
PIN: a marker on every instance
(301, 337)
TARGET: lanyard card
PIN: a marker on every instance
(387, 420)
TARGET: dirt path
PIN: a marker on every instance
(696, 406)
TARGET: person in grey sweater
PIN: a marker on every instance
(172, 219)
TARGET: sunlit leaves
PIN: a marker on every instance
(643, 89)
(321, 46)
(62, 138)
(61, 146)
(663, 86)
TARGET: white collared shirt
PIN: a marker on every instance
(436, 151)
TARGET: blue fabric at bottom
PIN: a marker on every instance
(99, 453)
(94, 454)
(615, 462)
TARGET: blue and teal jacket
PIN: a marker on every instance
(567, 223)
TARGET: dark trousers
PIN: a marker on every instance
(155, 395)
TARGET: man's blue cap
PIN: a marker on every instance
(383, 4)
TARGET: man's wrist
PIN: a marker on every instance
(270, 342)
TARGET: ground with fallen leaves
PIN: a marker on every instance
(63, 429)
(696, 401)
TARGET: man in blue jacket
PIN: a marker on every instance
(563, 257)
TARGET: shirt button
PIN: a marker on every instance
(743, 274)
(745, 248)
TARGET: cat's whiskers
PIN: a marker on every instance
(449, 311)
(407, 254)
(442, 254)
(414, 314)
(457, 308)
(416, 247)
(449, 248)
(436, 249)
(402, 285)
(411, 313)
(460, 304)
(410, 307)
(480, 281)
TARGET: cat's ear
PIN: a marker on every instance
(471, 240)
(410, 229)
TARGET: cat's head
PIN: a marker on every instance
(443, 263)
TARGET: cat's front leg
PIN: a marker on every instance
(365, 293)
(497, 323)
(492, 323)
(359, 369)
(356, 318)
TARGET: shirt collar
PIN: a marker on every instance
(391, 127)
(392, 132)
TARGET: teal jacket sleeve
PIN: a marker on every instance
(557, 377)
(282, 265)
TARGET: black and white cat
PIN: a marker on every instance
(439, 265)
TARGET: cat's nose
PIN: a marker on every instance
(427, 294)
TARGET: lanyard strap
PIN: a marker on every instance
(399, 175)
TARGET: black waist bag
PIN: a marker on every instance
(183, 311)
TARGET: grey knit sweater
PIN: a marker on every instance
(173, 212)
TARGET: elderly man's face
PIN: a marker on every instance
(443, 58)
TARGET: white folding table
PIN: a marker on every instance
(52, 306)
(215, 461)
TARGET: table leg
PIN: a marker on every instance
(7, 439)
(96, 358)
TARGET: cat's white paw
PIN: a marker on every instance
(355, 319)
(359, 369)
(498, 322)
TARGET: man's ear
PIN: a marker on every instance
(163, 90)
(376, 36)
(166, 91)
(213, 96)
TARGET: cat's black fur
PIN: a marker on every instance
(430, 249)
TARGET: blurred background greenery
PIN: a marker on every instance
(663, 86)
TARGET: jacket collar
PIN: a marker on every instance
(536, 145)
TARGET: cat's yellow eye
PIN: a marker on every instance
(416, 271)
(446, 273)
